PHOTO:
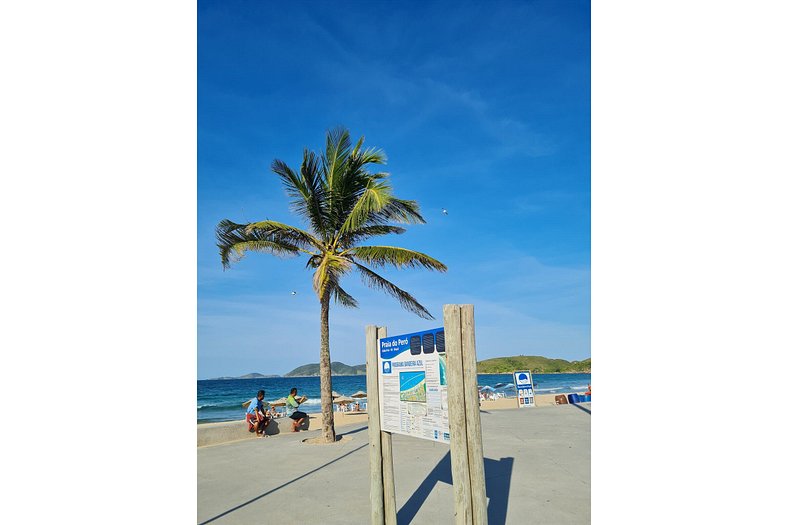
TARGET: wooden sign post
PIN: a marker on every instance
(381, 461)
(465, 436)
(467, 458)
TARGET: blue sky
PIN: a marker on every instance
(481, 108)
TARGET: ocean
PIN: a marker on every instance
(220, 400)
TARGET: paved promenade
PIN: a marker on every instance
(537, 466)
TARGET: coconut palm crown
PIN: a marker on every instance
(344, 204)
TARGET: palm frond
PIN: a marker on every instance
(400, 210)
(284, 232)
(373, 200)
(350, 238)
(344, 298)
(305, 189)
(336, 155)
(407, 301)
(234, 241)
(379, 256)
(328, 273)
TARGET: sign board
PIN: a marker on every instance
(412, 385)
(525, 388)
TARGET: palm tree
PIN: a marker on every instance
(343, 204)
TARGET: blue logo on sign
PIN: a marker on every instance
(386, 367)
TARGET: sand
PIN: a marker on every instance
(224, 432)
(348, 418)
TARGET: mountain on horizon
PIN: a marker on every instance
(337, 369)
(253, 375)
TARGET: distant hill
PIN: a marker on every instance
(253, 375)
(337, 369)
(497, 365)
(535, 363)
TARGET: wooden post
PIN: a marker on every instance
(375, 447)
(382, 499)
(472, 416)
(467, 457)
(389, 497)
(460, 475)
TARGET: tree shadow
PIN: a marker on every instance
(580, 407)
(497, 480)
(225, 513)
(353, 431)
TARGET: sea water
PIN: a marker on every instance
(221, 399)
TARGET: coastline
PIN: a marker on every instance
(214, 433)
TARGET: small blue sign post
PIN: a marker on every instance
(525, 388)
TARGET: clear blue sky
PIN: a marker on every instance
(483, 108)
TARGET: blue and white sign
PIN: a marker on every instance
(412, 385)
(525, 388)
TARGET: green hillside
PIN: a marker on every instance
(337, 369)
(497, 365)
(536, 364)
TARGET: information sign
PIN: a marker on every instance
(525, 388)
(412, 382)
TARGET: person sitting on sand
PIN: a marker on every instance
(292, 409)
(255, 414)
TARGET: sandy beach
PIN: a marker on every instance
(228, 431)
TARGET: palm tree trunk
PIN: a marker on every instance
(326, 401)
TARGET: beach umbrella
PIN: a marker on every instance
(335, 394)
(359, 394)
(279, 402)
(344, 400)
(486, 388)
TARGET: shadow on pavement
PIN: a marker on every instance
(584, 409)
(497, 477)
(225, 513)
(353, 431)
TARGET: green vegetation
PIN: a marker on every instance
(535, 363)
(253, 375)
(497, 365)
(337, 369)
(343, 205)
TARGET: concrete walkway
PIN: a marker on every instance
(537, 466)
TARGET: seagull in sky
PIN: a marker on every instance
(445, 212)
(292, 293)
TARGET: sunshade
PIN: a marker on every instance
(279, 402)
(359, 394)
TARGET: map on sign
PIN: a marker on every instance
(412, 385)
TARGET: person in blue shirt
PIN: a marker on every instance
(255, 414)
